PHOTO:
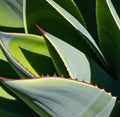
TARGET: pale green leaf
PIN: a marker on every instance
(61, 97)
(75, 61)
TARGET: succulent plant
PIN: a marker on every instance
(59, 58)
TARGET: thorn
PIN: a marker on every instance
(41, 30)
(55, 75)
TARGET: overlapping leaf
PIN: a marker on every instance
(12, 45)
(79, 27)
(79, 65)
(53, 22)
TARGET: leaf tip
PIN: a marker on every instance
(41, 30)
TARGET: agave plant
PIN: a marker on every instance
(59, 58)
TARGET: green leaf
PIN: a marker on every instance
(79, 27)
(12, 46)
(11, 13)
(109, 33)
(39, 13)
(71, 98)
(53, 22)
(75, 61)
(2, 57)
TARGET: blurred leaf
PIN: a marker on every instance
(109, 33)
(71, 98)
(11, 13)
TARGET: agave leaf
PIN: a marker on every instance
(53, 22)
(11, 107)
(109, 33)
(79, 65)
(11, 13)
(12, 45)
(71, 98)
(80, 28)
(75, 61)
(40, 12)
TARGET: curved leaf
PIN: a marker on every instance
(75, 61)
(79, 27)
(13, 44)
(71, 98)
(53, 22)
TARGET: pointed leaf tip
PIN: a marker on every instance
(41, 30)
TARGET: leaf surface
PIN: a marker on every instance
(71, 98)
